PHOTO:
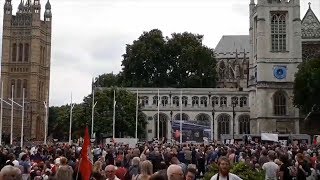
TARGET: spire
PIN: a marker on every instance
(48, 5)
(21, 6)
(309, 5)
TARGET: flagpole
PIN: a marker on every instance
(158, 120)
(11, 124)
(1, 112)
(137, 108)
(114, 115)
(92, 111)
(22, 118)
(181, 119)
(71, 108)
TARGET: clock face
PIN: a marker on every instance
(280, 72)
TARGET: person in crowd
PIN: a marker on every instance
(191, 174)
(111, 172)
(26, 166)
(224, 166)
(97, 171)
(174, 172)
(146, 170)
(64, 171)
(9, 172)
(271, 167)
(134, 168)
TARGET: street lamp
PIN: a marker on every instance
(211, 124)
(234, 104)
(171, 113)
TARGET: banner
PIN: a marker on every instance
(269, 137)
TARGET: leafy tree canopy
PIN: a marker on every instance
(307, 85)
(157, 61)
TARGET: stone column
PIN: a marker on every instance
(169, 130)
(211, 129)
(215, 127)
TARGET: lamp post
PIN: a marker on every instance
(45, 123)
(211, 124)
(171, 113)
(70, 125)
(234, 104)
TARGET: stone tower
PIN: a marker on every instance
(25, 64)
(275, 40)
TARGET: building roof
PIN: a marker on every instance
(310, 25)
(230, 44)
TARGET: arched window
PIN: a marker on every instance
(26, 52)
(234, 100)
(204, 101)
(223, 101)
(244, 124)
(278, 32)
(25, 86)
(279, 103)
(155, 100)
(215, 101)
(144, 101)
(175, 100)
(195, 101)
(221, 70)
(20, 52)
(243, 101)
(12, 88)
(185, 101)
(14, 52)
(19, 92)
(164, 100)
(223, 124)
(185, 117)
(163, 119)
(203, 119)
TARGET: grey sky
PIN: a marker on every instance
(89, 36)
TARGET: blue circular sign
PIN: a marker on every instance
(280, 72)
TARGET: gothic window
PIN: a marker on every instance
(155, 100)
(164, 100)
(279, 103)
(12, 88)
(144, 101)
(234, 100)
(221, 70)
(19, 91)
(223, 101)
(25, 86)
(26, 52)
(244, 124)
(195, 101)
(20, 52)
(14, 52)
(278, 32)
(185, 101)
(215, 100)
(175, 100)
(204, 101)
(223, 124)
(243, 101)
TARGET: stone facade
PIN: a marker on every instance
(25, 65)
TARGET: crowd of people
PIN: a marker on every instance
(160, 161)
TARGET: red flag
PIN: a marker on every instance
(85, 162)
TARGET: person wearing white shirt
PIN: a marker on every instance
(224, 170)
(271, 168)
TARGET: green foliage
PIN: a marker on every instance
(157, 61)
(240, 169)
(103, 116)
(307, 85)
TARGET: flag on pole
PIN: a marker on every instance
(85, 162)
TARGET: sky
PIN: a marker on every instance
(89, 36)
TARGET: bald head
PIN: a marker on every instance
(174, 172)
(110, 172)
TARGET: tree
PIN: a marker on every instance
(179, 61)
(59, 117)
(307, 85)
(108, 80)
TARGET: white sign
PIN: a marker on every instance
(125, 141)
(269, 137)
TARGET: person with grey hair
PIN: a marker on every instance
(174, 172)
(10, 173)
(134, 168)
